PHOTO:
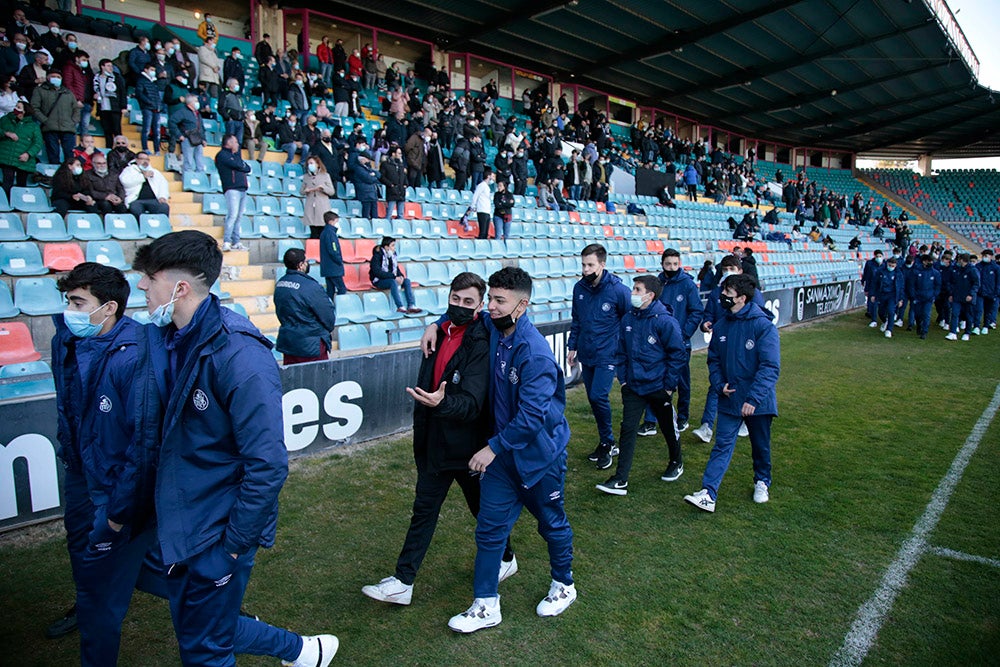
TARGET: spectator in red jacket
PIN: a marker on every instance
(79, 79)
(325, 54)
(354, 63)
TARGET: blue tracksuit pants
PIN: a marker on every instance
(887, 311)
(725, 442)
(502, 496)
(598, 380)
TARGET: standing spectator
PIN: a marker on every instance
(745, 377)
(648, 362)
(231, 109)
(207, 29)
(186, 128)
(298, 96)
(482, 204)
(232, 68)
(253, 136)
(109, 93)
(392, 174)
(325, 55)
(138, 59)
(56, 111)
(600, 300)
(270, 81)
(459, 162)
(354, 63)
(339, 57)
(151, 104)
(263, 52)
(386, 274)
(602, 178)
(146, 190)
(435, 163)
(209, 67)
(22, 25)
(329, 154)
(233, 172)
(70, 190)
(318, 188)
(691, 182)
(365, 189)
(477, 160)
(290, 139)
(20, 142)
(33, 74)
(503, 203)
(707, 279)
(79, 80)
(341, 94)
(417, 147)
(306, 313)
(331, 259)
(104, 186)
(519, 170)
(369, 66)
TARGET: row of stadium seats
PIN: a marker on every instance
(83, 227)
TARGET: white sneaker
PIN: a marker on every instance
(240, 246)
(317, 651)
(508, 568)
(961, 325)
(899, 323)
(744, 431)
(390, 590)
(965, 336)
(760, 493)
(975, 332)
(882, 327)
(943, 325)
(702, 500)
(984, 331)
(993, 325)
(872, 324)
(703, 432)
(227, 246)
(484, 613)
(888, 334)
(951, 336)
(559, 598)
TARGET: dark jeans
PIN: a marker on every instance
(460, 180)
(140, 206)
(334, 286)
(484, 225)
(63, 206)
(235, 127)
(369, 209)
(633, 406)
(13, 176)
(56, 140)
(111, 122)
(432, 489)
(104, 206)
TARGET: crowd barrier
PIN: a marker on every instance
(326, 404)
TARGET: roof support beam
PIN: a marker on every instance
(880, 124)
(920, 134)
(523, 12)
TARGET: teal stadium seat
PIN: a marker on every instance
(154, 225)
(86, 227)
(123, 226)
(38, 296)
(11, 228)
(33, 378)
(353, 337)
(47, 227)
(30, 200)
(7, 307)
(21, 258)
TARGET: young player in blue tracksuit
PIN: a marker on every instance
(524, 462)
(889, 292)
(744, 360)
(651, 354)
(209, 400)
(943, 303)
(600, 300)
(923, 286)
(680, 293)
(909, 316)
(964, 291)
(108, 478)
(989, 290)
(728, 266)
(868, 283)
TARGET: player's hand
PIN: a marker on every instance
(748, 410)
(425, 398)
(117, 527)
(571, 357)
(428, 342)
(481, 459)
(727, 391)
(706, 327)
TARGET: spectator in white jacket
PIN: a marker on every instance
(209, 67)
(146, 190)
(482, 202)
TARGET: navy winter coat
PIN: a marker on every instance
(331, 260)
(306, 314)
(364, 180)
(989, 279)
(681, 294)
(651, 350)
(965, 282)
(232, 170)
(601, 306)
(889, 284)
(923, 284)
(745, 353)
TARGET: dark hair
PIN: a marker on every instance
(670, 252)
(465, 280)
(595, 249)
(193, 252)
(892, 260)
(293, 257)
(705, 268)
(742, 284)
(226, 138)
(963, 257)
(331, 216)
(512, 278)
(105, 282)
(730, 260)
(266, 36)
(103, 62)
(988, 251)
(879, 253)
(487, 172)
(651, 283)
(387, 241)
(748, 251)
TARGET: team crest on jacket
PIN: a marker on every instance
(651, 340)
(512, 376)
(749, 344)
(606, 307)
(200, 400)
(105, 404)
(680, 297)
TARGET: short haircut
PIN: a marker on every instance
(651, 284)
(293, 258)
(512, 278)
(227, 138)
(730, 261)
(670, 252)
(331, 216)
(190, 251)
(105, 282)
(947, 254)
(465, 280)
(387, 241)
(487, 172)
(748, 251)
(743, 285)
(878, 253)
(892, 260)
(987, 252)
(104, 61)
(595, 249)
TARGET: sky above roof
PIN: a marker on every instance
(980, 21)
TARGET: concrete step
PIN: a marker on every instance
(256, 305)
(186, 208)
(267, 322)
(243, 272)
(235, 258)
(240, 288)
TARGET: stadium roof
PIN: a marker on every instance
(884, 78)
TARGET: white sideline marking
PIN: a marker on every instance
(959, 555)
(861, 637)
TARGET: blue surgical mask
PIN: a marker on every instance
(79, 323)
(637, 301)
(164, 315)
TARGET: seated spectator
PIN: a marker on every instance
(85, 152)
(105, 188)
(815, 234)
(854, 244)
(290, 139)
(186, 129)
(546, 199)
(385, 273)
(20, 141)
(797, 234)
(664, 197)
(306, 314)
(323, 114)
(146, 190)
(8, 95)
(119, 156)
(70, 190)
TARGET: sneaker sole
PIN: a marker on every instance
(568, 605)
(607, 465)
(701, 436)
(381, 598)
(491, 624)
(761, 502)
(672, 479)
(691, 501)
(611, 490)
(645, 434)
(593, 459)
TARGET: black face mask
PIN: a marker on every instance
(505, 322)
(671, 274)
(459, 315)
(590, 277)
(726, 302)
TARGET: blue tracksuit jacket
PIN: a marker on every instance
(219, 430)
(745, 353)
(94, 392)
(989, 279)
(681, 294)
(947, 277)
(331, 260)
(965, 282)
(306, 314)
(601, 307)
(889, 285)
(714, 311)
(923, 284)
(868, 274)
(651, 350)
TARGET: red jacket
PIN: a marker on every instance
(324, 53)
(76, 81)
(354, 63)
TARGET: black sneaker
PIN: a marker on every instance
(63, 626)
(614, 486)
(595, 455)
(604, 458)
(647, 428)
(673, 472)
(683, 426)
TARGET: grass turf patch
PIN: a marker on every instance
(868, 427)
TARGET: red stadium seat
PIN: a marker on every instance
(312, 250)
(412, 211)
(356, 278)
(16, 346)
(62, 256)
